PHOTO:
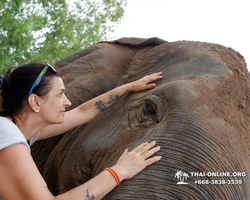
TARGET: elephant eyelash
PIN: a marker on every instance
(149, 109)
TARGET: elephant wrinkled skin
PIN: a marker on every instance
(198, 114)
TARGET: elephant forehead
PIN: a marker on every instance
(200, 66)
(184, 59)
(187, 60)
(183, 88)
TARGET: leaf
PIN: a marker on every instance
(46, 31)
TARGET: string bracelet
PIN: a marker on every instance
(114, 174)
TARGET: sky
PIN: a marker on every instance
(224, 22)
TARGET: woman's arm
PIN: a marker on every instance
(88, 110)
(21, 180)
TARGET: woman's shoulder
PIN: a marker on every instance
(7, 126)
(10, 134)
(6, 123)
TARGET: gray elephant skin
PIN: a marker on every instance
(199, 114)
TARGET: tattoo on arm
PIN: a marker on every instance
(112, 97)
(100, 105)
(89, 197)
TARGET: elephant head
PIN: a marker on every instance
(199, 114)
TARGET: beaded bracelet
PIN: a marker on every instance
(114, 174)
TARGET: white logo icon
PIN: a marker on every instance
(182, 177)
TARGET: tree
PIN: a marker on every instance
(49, 30)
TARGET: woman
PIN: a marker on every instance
(34, 106)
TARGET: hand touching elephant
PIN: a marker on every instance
(138, 155)
(145, 82)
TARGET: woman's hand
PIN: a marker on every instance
(131, 163)
(143, 83)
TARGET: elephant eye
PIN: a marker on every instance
(149, 109)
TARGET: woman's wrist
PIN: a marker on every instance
(119, 172)
(127, 88)
(114, 174)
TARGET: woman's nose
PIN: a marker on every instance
(67, 102)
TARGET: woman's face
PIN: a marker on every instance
(53, 105)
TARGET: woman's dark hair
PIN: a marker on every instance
(17, 84)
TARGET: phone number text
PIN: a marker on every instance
(219, 182)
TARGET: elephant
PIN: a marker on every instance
(198, 113)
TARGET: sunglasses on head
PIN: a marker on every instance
(40, 76)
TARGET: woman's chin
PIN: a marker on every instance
(60, 119)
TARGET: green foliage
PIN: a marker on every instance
(48, 30)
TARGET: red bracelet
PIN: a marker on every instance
(114, 174)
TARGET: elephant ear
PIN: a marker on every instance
(99, 68)
(87, 74)
(137, 42)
